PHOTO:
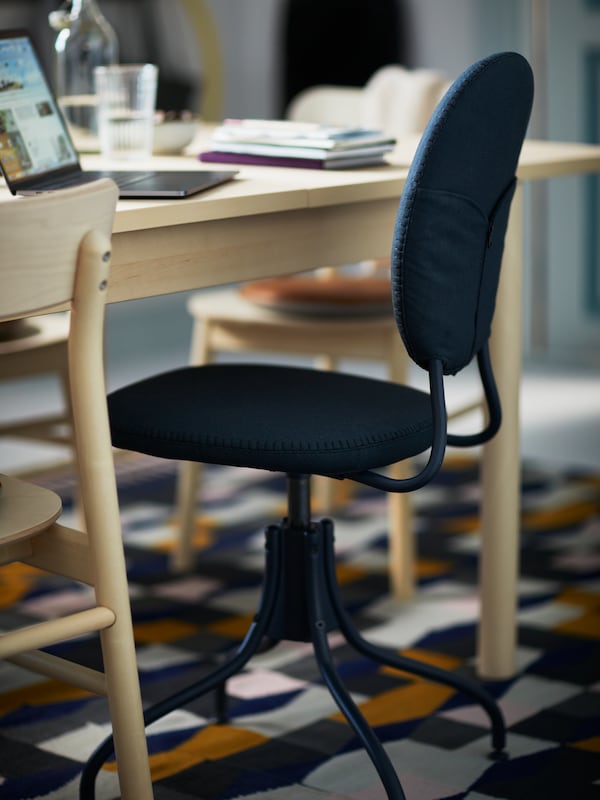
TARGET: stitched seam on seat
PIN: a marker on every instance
(254, 447)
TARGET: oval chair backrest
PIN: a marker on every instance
(327, 105)
(41, 238)
(452, 218)
(400, 101)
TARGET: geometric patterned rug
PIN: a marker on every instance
(285, 739)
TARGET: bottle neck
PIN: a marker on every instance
(79, 7)
(85, 16)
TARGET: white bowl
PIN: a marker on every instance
(171, 136)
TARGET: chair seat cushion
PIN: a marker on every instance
(283, 419)
(338, 294)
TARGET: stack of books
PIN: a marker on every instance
(296, 144)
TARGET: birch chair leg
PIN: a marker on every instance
(325, 488)
(189, 478)
(78, 509)
(401, 535)
(189, 474)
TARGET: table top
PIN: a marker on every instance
(229, 233)
(258, 190)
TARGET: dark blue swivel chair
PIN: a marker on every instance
(446, 256)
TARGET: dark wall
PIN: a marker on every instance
(138, 30)
(340, 42)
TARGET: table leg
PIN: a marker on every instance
(500, 519)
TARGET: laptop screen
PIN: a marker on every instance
(33, 137)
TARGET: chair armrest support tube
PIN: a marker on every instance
(438, 447)
(492, 399)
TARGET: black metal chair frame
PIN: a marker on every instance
(446, 258)
(301, 601)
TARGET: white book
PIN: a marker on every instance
(298, 134)
(286, 151)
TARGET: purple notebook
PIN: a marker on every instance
(216, 156)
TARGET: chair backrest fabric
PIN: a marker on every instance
(451, 223)
(40, 251)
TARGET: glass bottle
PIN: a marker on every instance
(85, 40)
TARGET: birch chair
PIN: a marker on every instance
(56, 255)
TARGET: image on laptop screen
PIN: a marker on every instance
(33, 138)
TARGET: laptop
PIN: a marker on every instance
(37, 153)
